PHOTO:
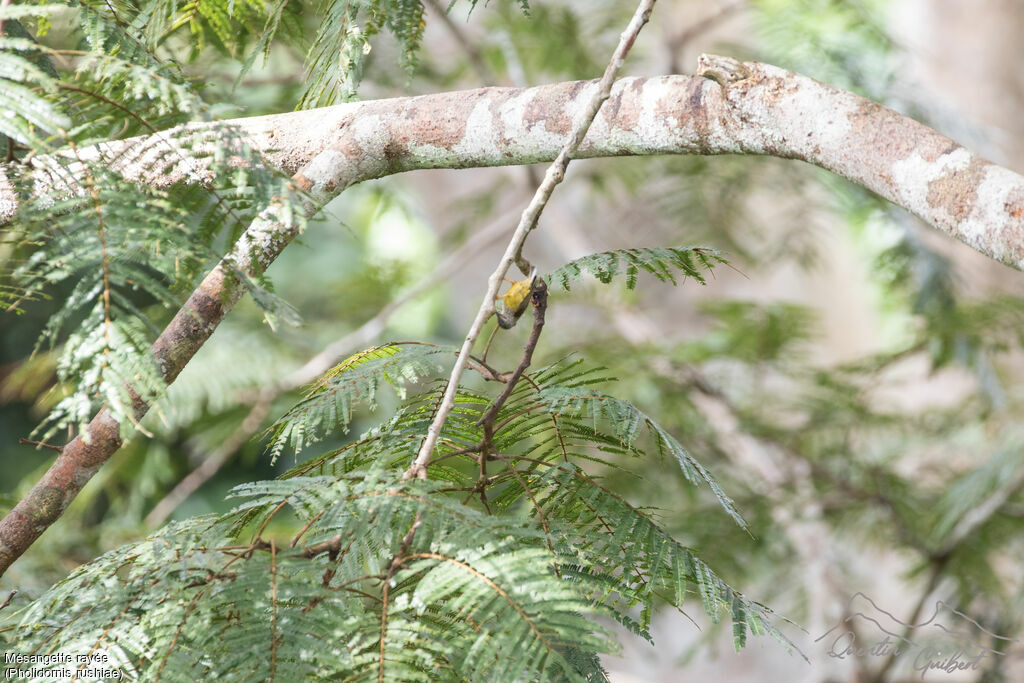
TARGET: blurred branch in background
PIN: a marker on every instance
(354, 341)
(677, 42)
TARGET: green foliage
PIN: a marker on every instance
(752, 332)
(224, 25)
(843, 42)
(337, 56)
(128, 249)
(110, 362)
(30, 116)
(474, 596)
(115, 253)
(393, 578)
(606, 526)
(661, 262)
(625, 422)
(344, 568)
(328, 404)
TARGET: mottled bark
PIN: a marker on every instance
(727, 108)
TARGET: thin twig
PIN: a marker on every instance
(40, 444)
(934, 577)
(9, 598)
(330, 546)
(539, 297)
(303, 530)
(540, 305)
(554, 175)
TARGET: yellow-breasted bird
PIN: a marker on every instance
(515, 301)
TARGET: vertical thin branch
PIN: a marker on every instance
(554, 175)
(539, 297)
(934, 576)
(273, 609)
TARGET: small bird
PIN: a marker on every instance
(515, 300)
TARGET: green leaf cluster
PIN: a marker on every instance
(114, 252)
(343, 569)
(661, 262)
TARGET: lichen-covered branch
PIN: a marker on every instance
(766, 110)
(727, 108)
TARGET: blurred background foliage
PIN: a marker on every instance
(853, 381)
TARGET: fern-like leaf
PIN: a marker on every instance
(472, 598)
(613, 538)
(663, 263)
(355, 381)
(574, 412)
(27, 86)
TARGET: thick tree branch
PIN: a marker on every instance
(728, 108)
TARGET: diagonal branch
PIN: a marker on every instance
(82, 457)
